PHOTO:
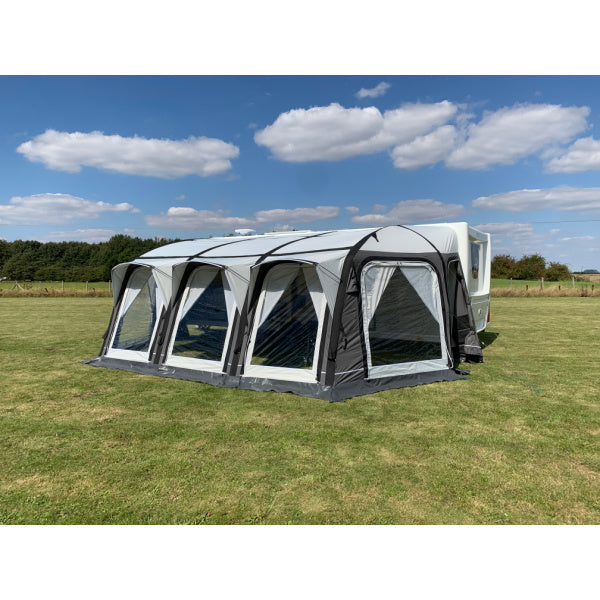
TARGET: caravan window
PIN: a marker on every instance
(402, 318)
(138, 314)
(287, 323)
(204, 316)
(475, 252)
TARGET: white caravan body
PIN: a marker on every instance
(474, 250)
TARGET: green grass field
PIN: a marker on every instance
(86, 445)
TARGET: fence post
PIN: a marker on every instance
(573, 278)
(86, 286)
(63, 286)
(542, 285)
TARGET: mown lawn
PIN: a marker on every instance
(86, 445)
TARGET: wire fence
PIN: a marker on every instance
(540, 287)
(55, 288)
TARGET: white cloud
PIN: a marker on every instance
(509, 134)
(297, 215)
(379, 90)
(164, 158)
(353, 210)
(516, 239)
(93, 236)
(583, 155)
(332, 133)
(584, 238)
(507, 229)
(412, 211)
(425, 149)
(187, 218)
(55, 208)
(420, 134)
(559, 198)
(179, 198)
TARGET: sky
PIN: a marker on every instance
(87, 157)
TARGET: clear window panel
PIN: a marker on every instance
(202, 331)
(475, 249)
(287, 337)
(135, 328)
(403, 329)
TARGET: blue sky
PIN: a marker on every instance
(85, 157)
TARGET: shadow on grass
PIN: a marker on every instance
(487, 338)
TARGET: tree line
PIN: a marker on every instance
(81, 261)
(70, 261)
(529, 267)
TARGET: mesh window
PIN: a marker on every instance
(403, 329)
(203, 329)
(135, 328)
(288, 335)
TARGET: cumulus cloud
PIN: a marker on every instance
(583, 155)
(421, 134)
(583, 238)
(504, 136)
(508, 229)
(55, 208)
(565, 198)
(425, 149)
(332, 133)
(412, 211)
(297, 215)
(379, 90)
(353, 210)
(187, 218)
(514, 238)
(93, 236)
(164, 158)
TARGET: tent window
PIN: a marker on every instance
(138, 317)
(402, 318)
(203, 327)
(288, 319)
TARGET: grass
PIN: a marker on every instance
(86, 445)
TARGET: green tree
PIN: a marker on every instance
(531, 266)
(557, 272)
(504, 266)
